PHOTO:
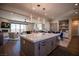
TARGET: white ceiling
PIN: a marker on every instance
(53, 10)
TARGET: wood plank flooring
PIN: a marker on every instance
(74, 46)
(12, 48)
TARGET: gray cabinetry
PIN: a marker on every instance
(41, 48)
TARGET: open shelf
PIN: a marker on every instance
(64, 25)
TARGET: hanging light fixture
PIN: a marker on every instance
(38, 5)
(44, 9)
(25, 20)
(31, 17)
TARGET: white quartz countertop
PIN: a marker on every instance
(35, 37)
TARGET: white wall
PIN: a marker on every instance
(47, 26)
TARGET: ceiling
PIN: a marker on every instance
(52, 10)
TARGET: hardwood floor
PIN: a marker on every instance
(60, 51)
(12, 48)
(74, 46)
(71, 50)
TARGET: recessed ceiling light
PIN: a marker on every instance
(76, 12)
(43, 8)
(11, 13)
(33, 8)
(76, 4)
(38, 5)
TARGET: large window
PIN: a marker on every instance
(23, 28)
(13, 28)
(39, 26)
(18, 28)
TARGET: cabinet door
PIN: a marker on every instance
(54, 43)
(22, 45)
(27, 47)
(42, 50)
(45, 47)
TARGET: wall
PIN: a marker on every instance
(4, 20)
(56, 28)
(75, 26)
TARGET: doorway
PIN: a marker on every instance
(75, 26)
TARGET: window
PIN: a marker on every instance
(23, 28)
(39, 26)
(18, 28)
(13, 28)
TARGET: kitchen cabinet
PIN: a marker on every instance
(45, 47)
(38, 48)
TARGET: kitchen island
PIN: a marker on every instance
(38, 44)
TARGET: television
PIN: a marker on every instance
(5, 25)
